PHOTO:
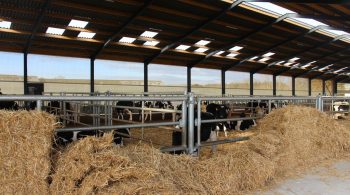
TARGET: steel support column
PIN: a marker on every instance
(274, 86)
(189, 83)
(251, 84)
(25, 73)
(335, 87)
(310, 87)
(92, 75)
(145, 77)
(293, 86)
(323, 87)
(223, 82)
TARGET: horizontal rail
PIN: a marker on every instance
(224, 141)
(106, 128)
(253, 98)
(89, 98)
(228, 119)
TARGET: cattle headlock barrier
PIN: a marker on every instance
(187, 123)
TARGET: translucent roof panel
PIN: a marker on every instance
(272, 8)
(310, 22)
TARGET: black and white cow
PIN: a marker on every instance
(259, 109)
(64, 138)
(147, 104)
(9, 105)
(207, 131)
(122, 111)
(219, 112)
(243, 124)
(163, 105)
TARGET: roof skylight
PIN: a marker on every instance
(268, 54)
(294, 59)
(127, 40)
(308, 64)
(202, 42)
(149, 34)
(55, 31)
(86, 35)
(326, 67)
(182, 47)
(270, 7)
(201, 50)
(232, 55)
(78, 23)
(340, 70)
(5, 24)
(219, 52)
(236, 48)
(254, 58)
(151, 43)
(264, 59)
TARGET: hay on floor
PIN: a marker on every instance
(289, 139)
(25, 146)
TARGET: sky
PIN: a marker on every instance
(78, 68)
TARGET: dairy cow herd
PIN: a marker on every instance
(209, 131)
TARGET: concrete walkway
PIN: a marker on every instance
(333, 179)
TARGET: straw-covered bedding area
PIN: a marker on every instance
(25, 147)
(289, 139)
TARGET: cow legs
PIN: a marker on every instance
(130, 114)
(225, 129)
(213, 137)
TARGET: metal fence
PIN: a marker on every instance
(103, 105)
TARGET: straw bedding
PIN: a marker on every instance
(25, 146)
(288, 140)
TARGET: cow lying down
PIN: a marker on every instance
(64, 138)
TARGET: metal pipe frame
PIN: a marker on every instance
(191, 124)
(189, 79)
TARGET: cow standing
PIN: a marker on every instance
(121, 111)
(219, 112)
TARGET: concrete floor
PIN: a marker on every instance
(331, 179)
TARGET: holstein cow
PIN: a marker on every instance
(243, 124)
(207, 131)
(147, 104)
(219, 112)
(121, 111)
(163, 105)
(64, 138)
(9, 105)
(342, 107)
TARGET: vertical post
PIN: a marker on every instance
(310, 87)
(39, 105)
(191, 123)
(223, 82)
(335, 87)
(184, 124)
(251, 84)
(274, 86)
(145, 77)
(92, 76)
(189, 79)
(323, 87)
(293, 86)
(199, 121)
(25, 73)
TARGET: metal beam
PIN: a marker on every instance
(92, 75)
(335, 87)
(274, 85)
(279, 44)
(342, 80)
(305, 51)
(293, 86)
(310, 87)
(321, 66)
(192, 31)
(145, 77)
(121, 28)
(223, 82)
(237, 41)
(189, 79)
(36, 25)
(251, 84)
(25, 73)
(323, 87)
(307, 1)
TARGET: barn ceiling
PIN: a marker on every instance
(292, 38)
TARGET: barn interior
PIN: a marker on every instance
(306, 40)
